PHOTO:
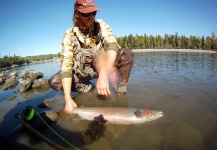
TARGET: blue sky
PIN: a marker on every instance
(34, 27)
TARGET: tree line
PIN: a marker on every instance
(168, 42)
(10, 61)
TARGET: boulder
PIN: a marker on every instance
(25, 85)
(13, 75)
(10, 83)
(24, 74)
(2, 77)
(2, 80)
(40, 83)
(35, 75)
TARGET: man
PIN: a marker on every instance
(90, 50)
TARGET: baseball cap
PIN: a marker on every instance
(85, 6)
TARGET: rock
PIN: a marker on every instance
(40, 83)
(24, 74)
(48, 102)
(156, 71)
(35, 75)
(2, 80)
(13, 75)
(16, 90)
(27, 95)
(11, 98)
(3, 75)
(10, 83)
(25, 85)
(14, 66)
(45, 104)
(52, 115)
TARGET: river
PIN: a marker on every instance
(181, 85)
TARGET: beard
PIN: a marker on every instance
(86, 23)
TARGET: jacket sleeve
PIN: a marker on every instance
(107, 36)
(67, 54)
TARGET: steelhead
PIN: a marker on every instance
(117, 115)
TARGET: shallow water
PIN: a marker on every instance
(181, 85)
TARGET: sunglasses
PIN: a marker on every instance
(87, 14)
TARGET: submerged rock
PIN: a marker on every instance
(11, 98)
(45, 104)
(16, 90)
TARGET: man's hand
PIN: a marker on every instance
(106, 69)
(70, 104)
(102, 85)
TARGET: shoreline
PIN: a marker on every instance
(25, 64)
(173, 50)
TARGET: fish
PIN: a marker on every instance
(117, 115)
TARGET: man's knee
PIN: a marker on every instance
(125, 55)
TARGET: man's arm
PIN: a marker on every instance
(70, 103)
(105, 67)
(66, 70)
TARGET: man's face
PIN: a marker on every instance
(86, 20)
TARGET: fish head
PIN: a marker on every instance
(148, 115)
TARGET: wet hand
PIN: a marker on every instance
(102, 85)
(70, 104)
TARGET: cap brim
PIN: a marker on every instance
(88, 9)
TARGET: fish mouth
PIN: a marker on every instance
(159, 113)
(156, 115)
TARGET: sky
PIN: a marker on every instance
(35, 27)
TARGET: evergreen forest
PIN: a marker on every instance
(168, 42)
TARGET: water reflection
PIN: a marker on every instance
(199, 65)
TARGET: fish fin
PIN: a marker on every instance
(138, 113)
(100, 119)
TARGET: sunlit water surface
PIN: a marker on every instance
(181, 85)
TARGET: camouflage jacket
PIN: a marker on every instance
(105, 34)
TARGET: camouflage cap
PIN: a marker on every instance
(85, 6)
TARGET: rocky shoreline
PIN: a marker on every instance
(26, 81)
(30, 79)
